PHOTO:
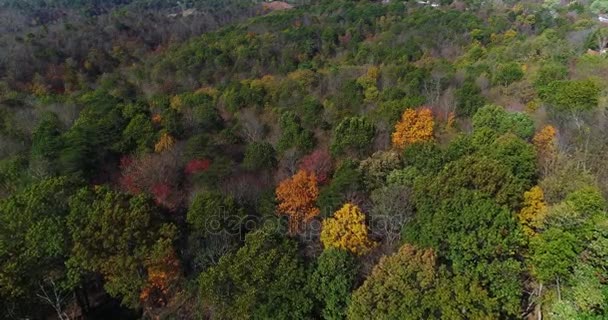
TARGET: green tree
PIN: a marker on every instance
(400, 287)
(553, 254)
(469, 98)
(500, 121)
(262, 280)
(571, 95)
(33, 237)
(113, 234)
(215, 222)
(293, 135)
(332, 281)
(352, 135)
(46, 142)
(508, 73)
(259, 155)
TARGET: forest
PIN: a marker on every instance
(308, 159)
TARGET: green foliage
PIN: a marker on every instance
(400, 287)
(352, 136)
(262, 280)
(239, 95)
(466, 229)
(500, 121)
(571, 95)
(331, 282)
(469, 98)
(426, 157)
(216, 223)
(113, 235)
(346, 179)
(259, 155)
(553, 254)
(46, 140)
(293, 135)
(508, 73)
(376, 168)
(549, 72)
(33, 237)
(139, 135)
(94, 135)
(516, 154)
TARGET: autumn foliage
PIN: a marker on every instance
(415, 126)
(318, 162)
(347, 230)
(546, 145)
(165, 142)
(534, 211)
(163, 276)
(197, 165)
(156, 174)
(297, 199)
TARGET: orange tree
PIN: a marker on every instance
(297, 199)
(415, 126)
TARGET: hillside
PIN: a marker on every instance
(304, 160)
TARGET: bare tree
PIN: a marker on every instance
(51, 294)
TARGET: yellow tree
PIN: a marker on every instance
(347, 230)
(545, 143)
(415, 126)
(297, 199)
(165, 142)
(534, 211)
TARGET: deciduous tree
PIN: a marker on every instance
(534, 211)
(297, 199)
(400, 287)
(346, 229)
(415, 126)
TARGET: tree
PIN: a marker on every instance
(376, 168)
(259, 155)
(571, 95)
(346, 181)
(297, 198)
(139, 134)
(347, 230)
(319, 162)
(415, 126)
(33, 238)
(332, 281)
(165, 142)
(216, 222)
(508, 73)
(352, 135)
(46, 143)
(546, 146)
(293, 135)
(399, 287)
(392, 208)
(469, 98)
(534, 211)
(114, 234)
(262, 280)
(156, 174)
(553, 254)
(500, 121)
(480, 242)
(368, 82)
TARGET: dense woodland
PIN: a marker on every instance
(218, 159)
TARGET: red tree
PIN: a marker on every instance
(319, 163)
